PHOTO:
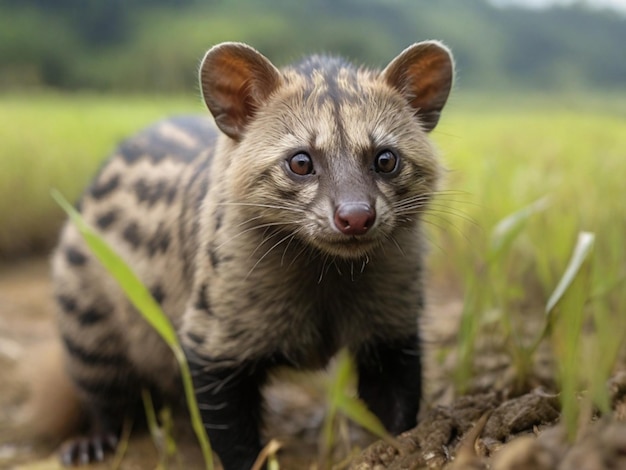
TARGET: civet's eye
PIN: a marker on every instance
(301, 164)
(386, 162)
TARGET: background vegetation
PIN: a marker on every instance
(155, 45)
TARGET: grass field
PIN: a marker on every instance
(505, 158)
(559, 170)
(501, 156)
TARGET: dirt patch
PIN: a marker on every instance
(444, 430)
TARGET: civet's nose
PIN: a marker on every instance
(354, 218)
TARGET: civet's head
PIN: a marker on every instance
(337, 154)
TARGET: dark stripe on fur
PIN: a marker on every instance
(91, 316)
(196, 339)
(101, 189)
(75, 257)
(66, 302)
(160, 241)
(114, 392)
(92, 358)
(131, 151)
(215, 260)
(132, 234)
(150, 192)
(105, 220)
(171, 194)
(158, 293)
(202, 302)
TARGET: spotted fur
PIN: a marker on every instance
(258, 266)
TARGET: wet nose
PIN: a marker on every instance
(354, 218)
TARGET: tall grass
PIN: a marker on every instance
(504, 159)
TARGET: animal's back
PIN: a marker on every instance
(144, 202)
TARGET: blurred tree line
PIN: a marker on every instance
(156, 45)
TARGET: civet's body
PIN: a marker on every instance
(287, 231)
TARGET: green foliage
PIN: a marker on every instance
(157, 44)
(341, 400)
(508, 229)
(161, 434)
(487, 289)
(510, 280)
(504, 156)
(145, 304)
(601, 352)
(566, 314)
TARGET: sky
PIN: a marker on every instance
(619, 5)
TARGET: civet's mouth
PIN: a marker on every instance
(349, 247)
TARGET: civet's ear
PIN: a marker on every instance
(235, 80)
(423, 74)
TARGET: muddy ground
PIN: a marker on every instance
(492, 426)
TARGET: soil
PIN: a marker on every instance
(496, 424)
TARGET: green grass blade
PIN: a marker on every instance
(468, 330)
(343, 376)
(604, 352)
(507, 229)
(356, 410)
(583, 247)
(479, 297)
(151, 419)
(566, 308)
(148, 308)
(350, 406)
